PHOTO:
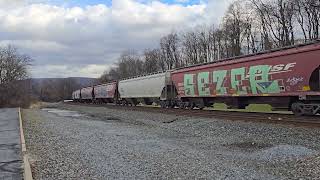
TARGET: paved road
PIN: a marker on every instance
(10, 147)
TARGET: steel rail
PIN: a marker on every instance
(275, 118)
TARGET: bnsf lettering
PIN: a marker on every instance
(240, 81)
(282, 67)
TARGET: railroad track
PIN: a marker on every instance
(290, 119)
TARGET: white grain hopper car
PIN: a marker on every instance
(154, 88)
(86, 94)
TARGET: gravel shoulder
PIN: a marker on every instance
(99, 143)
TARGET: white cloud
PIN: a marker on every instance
(84, 41)
(8, 3)
(92, 70)
(215, 10)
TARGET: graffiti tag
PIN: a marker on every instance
(294, 80)
(240, 81)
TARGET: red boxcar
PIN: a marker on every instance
(280, 78)
(106, 92)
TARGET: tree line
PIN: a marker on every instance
(14, 88)
(18, 89)
(53, 89)
(247, 27)
(58, 89)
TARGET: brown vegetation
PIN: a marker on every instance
(54, 90)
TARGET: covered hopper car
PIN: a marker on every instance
(285, 78)
(76, 95)
(86, 94)
(146, 89)
(106, 93)
(102, 93)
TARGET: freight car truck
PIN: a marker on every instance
(283, 78)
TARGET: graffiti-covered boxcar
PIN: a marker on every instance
(106, 92)
(281, 78)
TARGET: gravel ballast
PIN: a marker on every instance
(83, 142)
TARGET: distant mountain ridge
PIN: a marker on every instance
(81, 81)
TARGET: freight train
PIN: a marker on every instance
(284, 78)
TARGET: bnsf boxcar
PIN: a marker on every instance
(106, 93)
(287, 78)
(146, 89)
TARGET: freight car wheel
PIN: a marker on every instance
(163, 104)
(167, 104)
(191, 106)
(170, 104)
(298, 109)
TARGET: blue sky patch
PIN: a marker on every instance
(83, 3)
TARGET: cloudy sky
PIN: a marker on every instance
(82, 38)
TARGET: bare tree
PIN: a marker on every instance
(170, 50)
(152, 61)
(234, 27)
(57, 89)
(13, 72)
(13, 66)
(110, 75)
(199, 45)
(190, 48)
(308, 17)
(129, 65)
(277, 20)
